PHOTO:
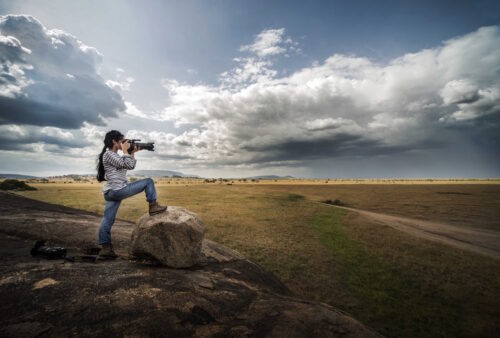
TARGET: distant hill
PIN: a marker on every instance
(270, 177)
(17, 176)
(159, 173)
(147, 173)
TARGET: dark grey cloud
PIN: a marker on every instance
(345, 106)
(62, 103)
(341, 145)
(25, 138)
(50, 78)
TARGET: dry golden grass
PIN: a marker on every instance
(399, 285)
(458, 204)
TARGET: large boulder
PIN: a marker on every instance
(172, 238)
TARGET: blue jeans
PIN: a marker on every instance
(114, 198)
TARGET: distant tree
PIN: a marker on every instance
(13, 184)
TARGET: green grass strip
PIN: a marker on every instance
(383, 296)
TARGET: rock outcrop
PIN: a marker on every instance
(172, 238)
(223, 294)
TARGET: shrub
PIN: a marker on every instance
(335, 202)
(12, 184)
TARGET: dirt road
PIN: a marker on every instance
(482, 241)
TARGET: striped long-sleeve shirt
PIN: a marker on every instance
(115, 169)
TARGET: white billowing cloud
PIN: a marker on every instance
(329, 123)
(93, 134)
(122, 83)
(270, 42)
(344, 105)
(472, 101)
(50, 78)
(186, 100)
(11, 49)
(132, 110)
(487, 104)
(457, 91)
(267, 43)
(191, 147)
(250, 70)
(256, 68)
(114, 84)
(57, 133)
(12, 58)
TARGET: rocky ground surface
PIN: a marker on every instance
(224, 294)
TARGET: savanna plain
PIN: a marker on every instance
(396, 283)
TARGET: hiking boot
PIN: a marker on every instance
(155, 208)
(107, 252)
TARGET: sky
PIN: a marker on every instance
(317, 89)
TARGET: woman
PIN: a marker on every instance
(112, 168)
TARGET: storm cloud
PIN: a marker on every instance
(53, 99)
(31, 138)
(50, 78)
(345, 106)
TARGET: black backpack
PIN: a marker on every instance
(48, 252)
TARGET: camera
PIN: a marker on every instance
(136, 142)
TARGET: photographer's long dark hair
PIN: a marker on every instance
(108, 143)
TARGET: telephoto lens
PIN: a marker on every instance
(140, 146)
